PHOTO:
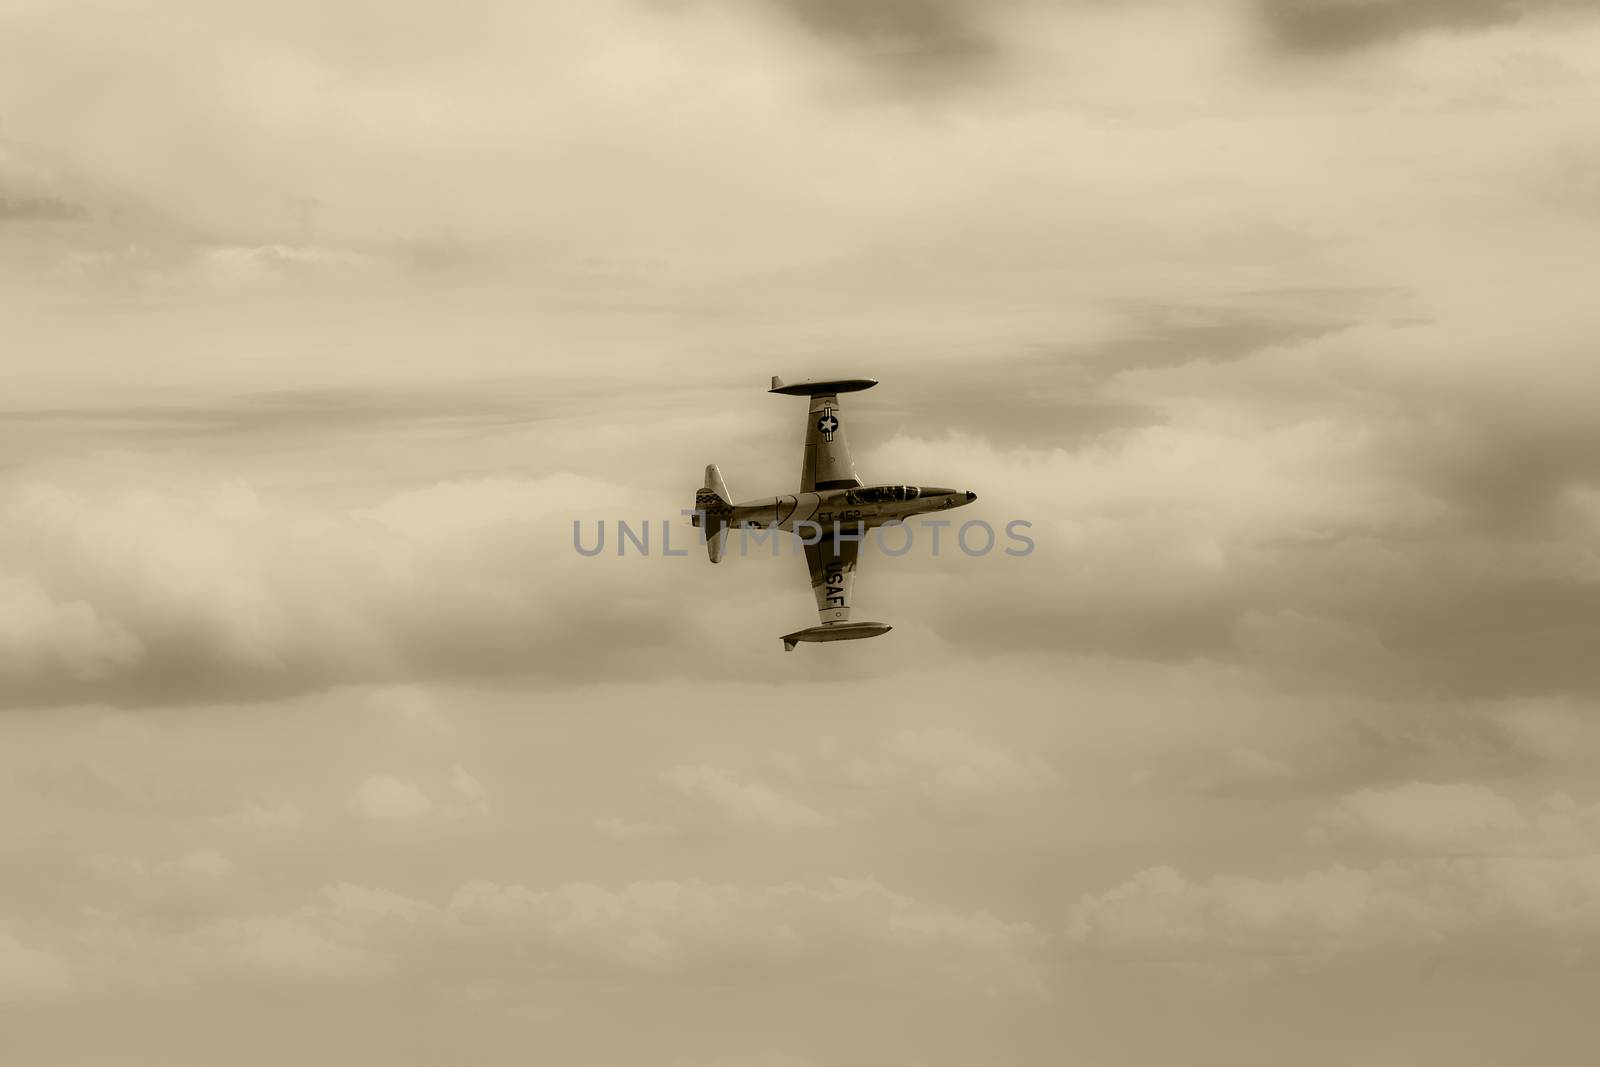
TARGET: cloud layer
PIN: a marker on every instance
(324, 323)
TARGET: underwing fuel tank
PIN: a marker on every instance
(835, 631)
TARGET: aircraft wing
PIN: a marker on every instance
(827, 463)
(833, 576)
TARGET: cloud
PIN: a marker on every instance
(1337, 510)
(36, 209)
(41, 635)
(760, 1059)
(390, 800)
(472, 797)
(1283, 347)
(1336, 743)
(1339, 25)
(387, 799)
(925, 42)
(284, 816)
(631, 830)
(742, 801)
(1457, 818)
(850, 930)
(1483, 909)
(201, 867)
(27, 972)
(954, 762)
(197, 591)
(1245, 769)
(413, 707)
(287, 948)
(695, 927)
(1469, 875)
(202, 882)
(945, 769)
(1430, 817)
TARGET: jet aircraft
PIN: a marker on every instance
(833, 506)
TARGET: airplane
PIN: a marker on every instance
(830, 495)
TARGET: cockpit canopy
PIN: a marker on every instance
(888, 494)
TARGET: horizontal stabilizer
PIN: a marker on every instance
(835, 631)
(824, 388)
(711, 511)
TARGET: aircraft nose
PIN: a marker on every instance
(971, 496)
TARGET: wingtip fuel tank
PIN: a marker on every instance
(835, 631)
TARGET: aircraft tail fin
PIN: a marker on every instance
(712, 506)
(715, 483)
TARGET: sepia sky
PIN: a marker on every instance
(320, 323)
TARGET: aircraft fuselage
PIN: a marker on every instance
(851, 509)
